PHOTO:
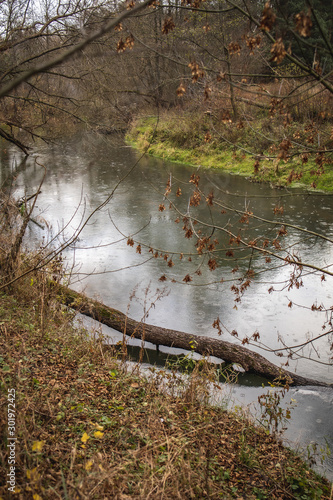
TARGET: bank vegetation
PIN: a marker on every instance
(90, 425)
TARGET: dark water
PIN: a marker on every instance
(81, 173)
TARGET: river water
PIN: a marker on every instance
(81, 173)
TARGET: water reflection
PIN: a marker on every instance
(81, 173)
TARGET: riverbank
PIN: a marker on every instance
(88, 426)
(195, 140)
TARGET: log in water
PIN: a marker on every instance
(252, 362)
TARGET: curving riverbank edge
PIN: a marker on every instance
(171, 141)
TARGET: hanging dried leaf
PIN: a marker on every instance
(196, 71)
(181, 90)
(210, 198)
(208, 137)
(129, 42)
(188, 233)
(268, 18)
(303, 23)
(168, 25)
(121, 46)
(207, 92)
(212, 264)
(217, 325)
(256, 336)
(154, 4)
(234, 48)
(194, 179)
(168, 187)
(278, 51)
(195, 199)
(253, 42)
(284, 148)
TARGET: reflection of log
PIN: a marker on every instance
(249, 360)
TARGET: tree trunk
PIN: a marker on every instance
(252, 362)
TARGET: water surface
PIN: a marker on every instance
(82, 172)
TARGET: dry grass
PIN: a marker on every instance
(88, 427)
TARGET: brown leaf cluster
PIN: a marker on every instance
(234, 48)
(278, 51)
(208, 137)
(284, 146)
(210, 198)
(194, 179)
(268, 18)
(217, 325)
(168, 25)
(253, 42)
(195, 199)
(196, 71)
(168, 188)
(127, 44)
(181, 90)
(212, 264)
(294, 176)
(303, 23)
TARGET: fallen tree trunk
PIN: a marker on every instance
(252, 362)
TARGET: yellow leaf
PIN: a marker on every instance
(37, 445)
(85, 438)
(98, 427)
(32, 474)
(35, 496)
(89, 465)
(98, 434)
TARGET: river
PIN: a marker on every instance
(81, 172)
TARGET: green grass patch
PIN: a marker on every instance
(189, 140)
